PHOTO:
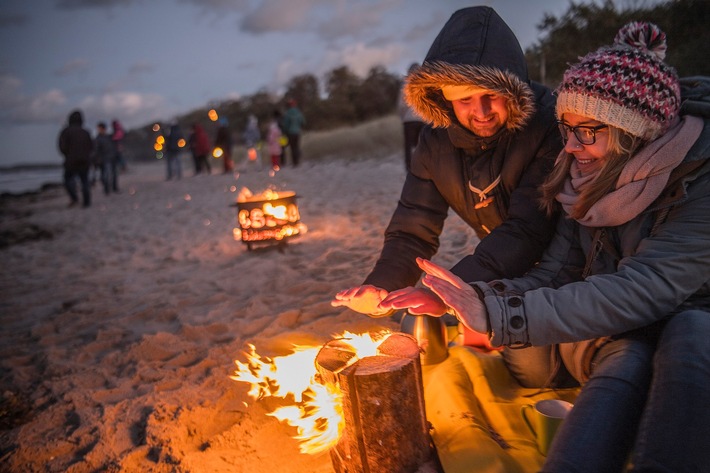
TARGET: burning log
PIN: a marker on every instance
(385, 426)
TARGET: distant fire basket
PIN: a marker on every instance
(268, 218)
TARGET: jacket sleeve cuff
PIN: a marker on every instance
(507, 320)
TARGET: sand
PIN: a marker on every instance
(121, 322)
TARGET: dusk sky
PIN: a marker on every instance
(145, 60)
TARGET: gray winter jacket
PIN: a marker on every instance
(475, 48)
(640, 275)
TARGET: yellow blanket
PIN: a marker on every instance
(474, 404)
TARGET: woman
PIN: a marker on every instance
(621, 298)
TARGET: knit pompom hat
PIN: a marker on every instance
(626, 85)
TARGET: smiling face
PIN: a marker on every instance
(589, 157)
(483, 113)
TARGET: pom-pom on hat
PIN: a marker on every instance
(626, 85)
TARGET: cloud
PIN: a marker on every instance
(352, 20)
(17, 108)
(51, 106)
(141, 67)
(73, 67)
(277, 16)
(360, 58)
(219, 5)
(132, 108)
(8, 20)
(81, 4)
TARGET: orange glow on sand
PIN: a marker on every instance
(313, 407)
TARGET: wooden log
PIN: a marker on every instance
(386, 430)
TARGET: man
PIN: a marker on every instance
(106, 158)
(76, 145)
(412, 123)
(491, 140)
(291, 124)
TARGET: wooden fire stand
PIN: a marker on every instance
(386, 430)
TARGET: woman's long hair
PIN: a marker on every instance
(622, 147)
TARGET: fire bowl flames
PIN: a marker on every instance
(360, 397)
(269, 217)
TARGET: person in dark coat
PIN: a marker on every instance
(76, 146)
(292, 124)
(490, 141)
(412, 124)
(173, 149)
(106, 159)
(200, 147)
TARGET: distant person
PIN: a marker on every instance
(173, 151)
(252, 137)
(76, 145)
(273, 140)
(117, 136)
(412, 123)
(292, 124)
(106, 159)
(200, 147)
(223, 141)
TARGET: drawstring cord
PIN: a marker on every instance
(483, 198)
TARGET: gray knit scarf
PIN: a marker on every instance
(641, 181)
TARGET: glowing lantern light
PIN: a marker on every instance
(156, 127)
(181, 142)
(252, 154)
(213, 115)
(267, 217)
(217, 153)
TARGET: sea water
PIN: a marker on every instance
(24, 179)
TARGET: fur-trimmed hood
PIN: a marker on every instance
(475, 47)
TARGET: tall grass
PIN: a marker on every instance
(374, 139)
(378, 138)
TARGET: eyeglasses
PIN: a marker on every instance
(586, 135)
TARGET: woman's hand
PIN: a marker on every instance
(461, 298)
(364, 299)
(418, 301)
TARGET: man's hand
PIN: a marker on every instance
(456, 294)
(417, 300)
(364, 299)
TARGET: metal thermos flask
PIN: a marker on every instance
(430, 333)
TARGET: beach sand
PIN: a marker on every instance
(121, 322)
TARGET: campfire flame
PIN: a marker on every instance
(315, 407)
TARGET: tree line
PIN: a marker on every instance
(345, 99)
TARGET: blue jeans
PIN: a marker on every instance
(647, 401)
(174, 165)
(674, 434)
(109, 176)
(70, 178)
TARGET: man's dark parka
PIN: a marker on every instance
(478, 49)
